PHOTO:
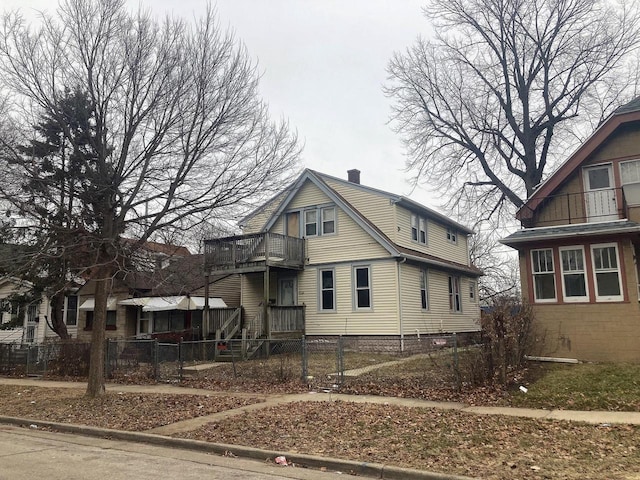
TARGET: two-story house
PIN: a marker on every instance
(579, 245)
(329, 257)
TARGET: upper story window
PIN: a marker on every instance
(419, 229)
(328, 220)
(606, 272)
(574, 281)
(311, 223)
(452, 235)
(544, 284)
(320, 221)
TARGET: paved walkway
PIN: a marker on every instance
(595, 417)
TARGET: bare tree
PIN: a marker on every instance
(178, 132)
(503, 89)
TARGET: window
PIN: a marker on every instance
(606, 271)
(311, 223)
(452, 235)
(362, 286)
(32, 312)
(328, 220)
(414, 228)
(111, 320)
(327, 290)
(630, 172)
(419, 229)
(169, 321)
(472, 291)
(455, 304)
(71, 312)
(574, 284)
(544, 286)
(424, 289)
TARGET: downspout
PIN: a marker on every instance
(403, 260)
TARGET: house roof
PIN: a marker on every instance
(393, 249)
(558, 232)
(630, 112)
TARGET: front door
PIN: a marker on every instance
(600, 196)
(287, 291)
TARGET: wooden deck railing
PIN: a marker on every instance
(253, 249)
(286, 318)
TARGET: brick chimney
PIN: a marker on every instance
(353, 176)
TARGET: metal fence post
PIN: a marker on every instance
(180, 360)
(107, 355)
(156, 370)
(305, 369)
(456, 363)
(340, 360)
(28, 360)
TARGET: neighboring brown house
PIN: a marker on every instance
(579, 246)
(166, 300)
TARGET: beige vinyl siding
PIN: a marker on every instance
(227, 288)
(377, 208)
(252, 286)
(349, 243)
(438, 318)
(382, 319)
(437, 243)
(257, 222)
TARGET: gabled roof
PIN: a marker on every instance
(627, 113)
(318, 179)
(558, 232)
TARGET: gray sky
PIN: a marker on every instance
(323, 64)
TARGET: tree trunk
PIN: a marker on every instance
(57, 317)
(95, 386)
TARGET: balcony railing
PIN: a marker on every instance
(244, 252)
(286, 318)
(579, 207)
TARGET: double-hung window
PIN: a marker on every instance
(327, 290)
(419, 229)
(424, 289)
(544, 283)
(71, 312)
(574, 279)
(455, 302)
(472, 291)
(362, 287)
(606, 272)
(452, 236)
(328, 220)
(311, 223)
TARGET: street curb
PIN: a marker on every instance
(375, 470)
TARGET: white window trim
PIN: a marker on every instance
(424, 280)
(565, 297)
(305, 223)
(66, 310)
(472, 291)
(452, 236)
(420, 225)
(320, 290)
(454, 293)
(533, 277)
(322, 221)
(607, 298)
(355, 288)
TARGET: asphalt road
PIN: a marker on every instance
(29, 454)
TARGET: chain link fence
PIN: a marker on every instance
(344, 363)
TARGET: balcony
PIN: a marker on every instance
(580, 207)
(253, 253)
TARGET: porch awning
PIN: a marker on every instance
(90, 304)
(174, 302)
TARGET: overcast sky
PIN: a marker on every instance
(323, 64)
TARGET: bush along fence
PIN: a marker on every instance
(316, 363)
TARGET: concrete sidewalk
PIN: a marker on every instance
(594, 417)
